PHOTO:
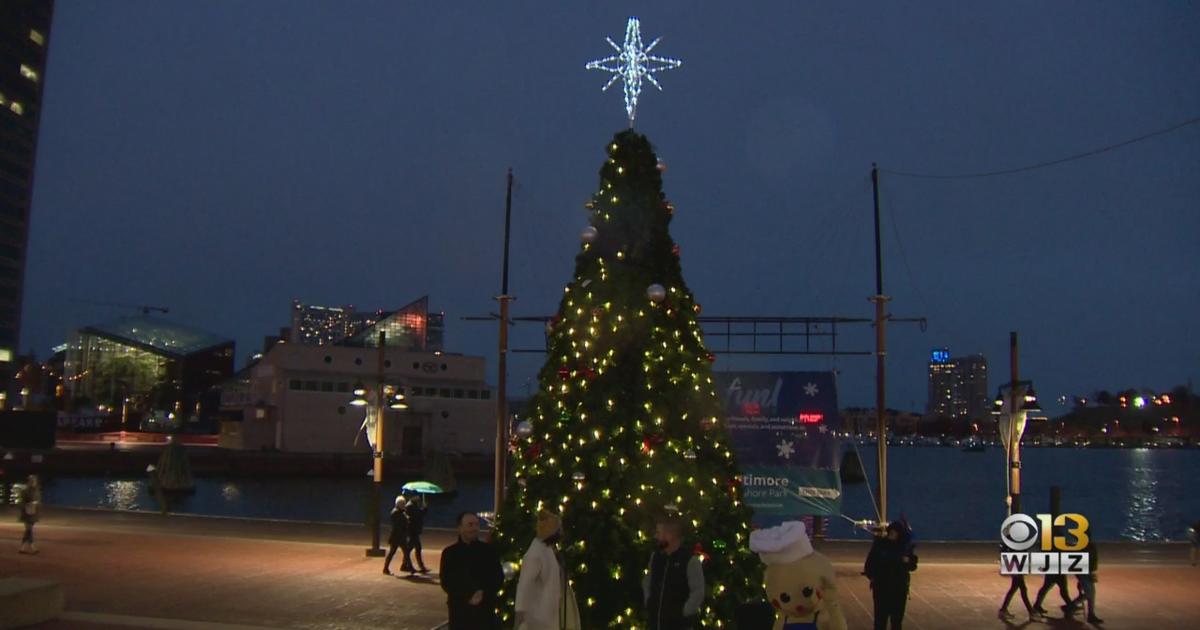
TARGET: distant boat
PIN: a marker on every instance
(852, 468)
(174, 471)
(973, 446)
(439, 471)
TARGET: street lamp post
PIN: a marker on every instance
(1014, 401)
(386, 397)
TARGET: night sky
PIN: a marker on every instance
(222, 158)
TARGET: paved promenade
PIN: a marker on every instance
(177, 572)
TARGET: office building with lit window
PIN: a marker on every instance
(24, 42)
(412, 326)
(957, 386)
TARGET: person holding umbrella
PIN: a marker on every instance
(417, 507)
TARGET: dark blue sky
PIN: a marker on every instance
(223, 157)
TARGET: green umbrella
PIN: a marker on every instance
(422, 487)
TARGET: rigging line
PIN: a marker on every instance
(870, 494)
(528, 234)
(1030, 167)
(833, 209)
(890, 202)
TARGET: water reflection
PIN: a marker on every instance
(121, 495)
(1143, 515)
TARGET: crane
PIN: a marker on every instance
(144, 308)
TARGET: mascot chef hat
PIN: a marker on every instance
(782, 544)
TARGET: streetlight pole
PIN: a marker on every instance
(377, 453)
(502, 364)
(880, 301)
(1014, 438)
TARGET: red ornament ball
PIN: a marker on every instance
(675, 250)
(711, 357)
(564, 373)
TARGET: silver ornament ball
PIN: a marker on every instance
(578, 476)
(656, 293)
(524, 429)
(662, 166)
(589, 234)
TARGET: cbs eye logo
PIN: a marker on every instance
(1020, 532)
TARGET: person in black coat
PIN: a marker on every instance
(416, 524)
(888, 566)
(472, 577)
(398, 537)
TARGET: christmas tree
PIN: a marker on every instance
(626, 426)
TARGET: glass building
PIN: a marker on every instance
(146, 366)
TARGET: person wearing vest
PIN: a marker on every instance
(545, 600)
(674, 588)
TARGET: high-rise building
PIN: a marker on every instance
(957, 386)
(24, 42)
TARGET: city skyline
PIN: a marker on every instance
(209, 159)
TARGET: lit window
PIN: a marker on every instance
(29, 73)
(16, 108)
(3, 101)
(5, 355)
(37, 37)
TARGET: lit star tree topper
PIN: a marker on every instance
(633, 63)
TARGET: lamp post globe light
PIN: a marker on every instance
(386, 396)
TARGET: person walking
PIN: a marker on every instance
(29, 503)
(888, 567)
(416, 524)
(1016, 585)
(673, 589)
(1087, 586)
(471, 577)
(1049, 581)
(544, 598)
(398, 537)
(1194, 536)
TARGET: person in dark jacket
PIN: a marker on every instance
(888, 566)
(398, 537)
(1194, 536)
(1087, 586)
(674, 588)
(472, 577)
(1049, 581)
(29, 503)
(416, 524)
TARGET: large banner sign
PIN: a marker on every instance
(784, 426)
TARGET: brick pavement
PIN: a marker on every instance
(134, 570)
